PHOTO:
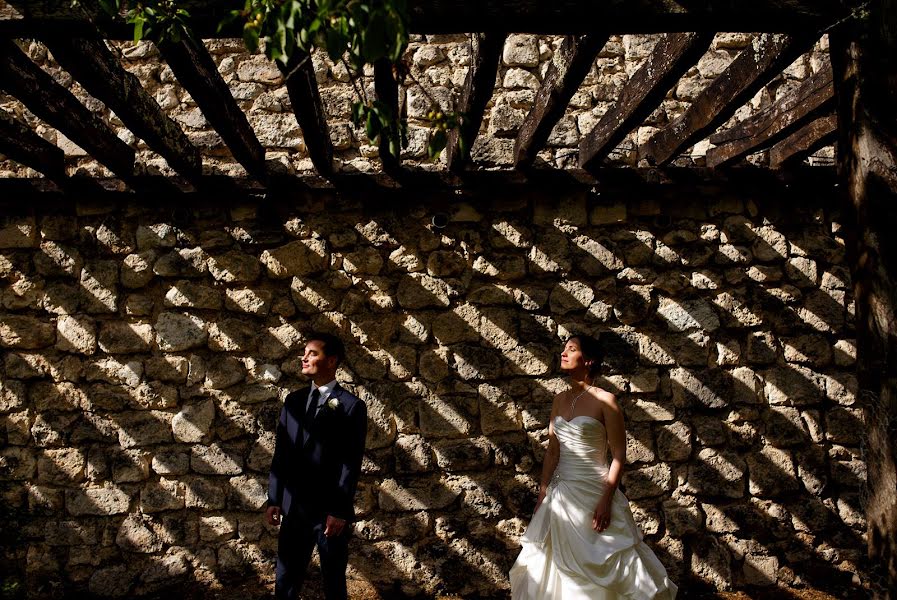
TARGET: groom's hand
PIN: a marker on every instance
(273, 515)
(334, 526)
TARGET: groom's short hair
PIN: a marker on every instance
(332, 345)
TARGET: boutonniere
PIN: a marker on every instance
(332, 404)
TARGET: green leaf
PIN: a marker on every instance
(437, 144)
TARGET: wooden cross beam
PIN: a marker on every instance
(38, 18)
(570, 66)
(761, 130)
(752, 69)
(479, 86)
(93, 65)
(196, 71)
(21, 144)
(305, 97)
(671, 58)
(816, 134)
(51, 102)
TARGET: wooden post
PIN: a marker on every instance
(865, 61)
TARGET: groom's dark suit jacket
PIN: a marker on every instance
(316, 464)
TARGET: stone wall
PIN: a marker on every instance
(146, 351)
(440, 64)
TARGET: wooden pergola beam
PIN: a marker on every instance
(94, 66)
(671, 58)
(479, 86)
(19, 143)
(387, 91)
(752, 69)
(21, 78)
(864, 59)
(196, 71)
(761, 130)
(302, 87)
(24, 18)
(570, 66)
(816, 134)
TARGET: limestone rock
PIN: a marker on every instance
(120, 337)
(137, 269)
(296, 259)
(186, 294)
(58, 260)
(102, 501)
(99, 286)
(160, 496)
(682, 315)
(64, 466)
(143, 428)
(416, 494)
(717, 472)
(25, 332)
(248, 492)
(76, 334)
(234, 267)
(176, 332)
(193, 422)
(184, 262)
(136, 534)
(254, 302)
(215, 460)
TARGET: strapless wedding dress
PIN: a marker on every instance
(563, 558)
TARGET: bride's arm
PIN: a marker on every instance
(552, 454)
(616, 440)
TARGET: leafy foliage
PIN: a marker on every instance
(354, 32)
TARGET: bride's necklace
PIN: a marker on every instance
(577, 397)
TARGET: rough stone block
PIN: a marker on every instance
(61, 466)
(176, 332)
(215, 460)
(144, 428)
(248, 492)
(187, 294)
(415, 494)
(193, 422)
(119, 337)
(717, 472)
(137, 534)
(103, 501)
(161, 495)
(26, 332)
(296, 259)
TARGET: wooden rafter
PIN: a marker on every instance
(306, 100)
(23, 18)
(479, 86)
(865, 65)
(761, 130)
(58, 107)
(671, 58)
(387, 91)
(572, 63)
(24, 146)
(753, 68)
(816, 134)
(94, 66)
(196, 71)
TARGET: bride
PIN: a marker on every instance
(582, 543)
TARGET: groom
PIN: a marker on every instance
(317, 460)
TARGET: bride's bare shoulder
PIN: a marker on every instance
(606, 398)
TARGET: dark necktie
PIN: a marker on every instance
(312, 405)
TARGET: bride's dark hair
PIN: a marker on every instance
(591, 349)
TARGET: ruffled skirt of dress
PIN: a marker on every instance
(563, 558)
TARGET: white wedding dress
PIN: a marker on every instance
(563, 558)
